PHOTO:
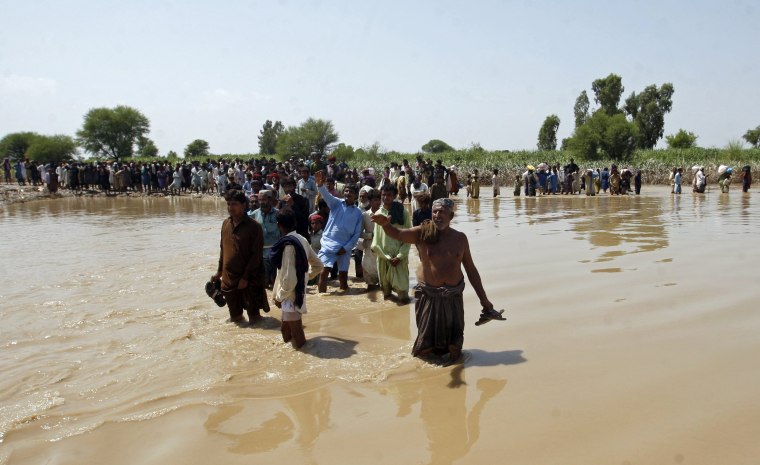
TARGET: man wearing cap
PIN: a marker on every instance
(439, 307)
(266, 216)
(344, 226)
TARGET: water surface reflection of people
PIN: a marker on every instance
(451, 430)
(305, 417)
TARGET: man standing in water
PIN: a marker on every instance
(240, 269)
(296, 263)
(439, 308)
(344, 226)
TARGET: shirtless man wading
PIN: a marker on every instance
(439, 308)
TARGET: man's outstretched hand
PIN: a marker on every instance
(380, 220)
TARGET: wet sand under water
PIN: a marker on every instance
(631, 339)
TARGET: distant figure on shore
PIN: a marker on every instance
(439, 307)
(240, 268)
(7, 170)
(700, 180)
(589, 177)
(605, 178)
(724, 178)
(614, 181)
(637, 182)
(495, 183)
(296, 264)
(475, 185)
(677, 181)
(453, 181)
(746, 177)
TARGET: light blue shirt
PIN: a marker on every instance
(344, 225)
(268, 223)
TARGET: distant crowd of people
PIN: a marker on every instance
(567, 180)
(699, 180)
(424, 176)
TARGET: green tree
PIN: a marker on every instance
(313, 135)
(268, 137)
(647, 110)
(172, 155)
(682, 140)
(547, 135)
(16, 144)
(581, 108)
(752, 136)
(113, 132)
(437, 146)
(49, 149)
(197, 148)
(343, 152)
(147, 148)
(607, 93)
(603, 135)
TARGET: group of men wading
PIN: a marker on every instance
(443, 252)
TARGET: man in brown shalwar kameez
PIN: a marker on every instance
(439, 308)
(241, 269)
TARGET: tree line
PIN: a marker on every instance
(614, 131)
(610, 130)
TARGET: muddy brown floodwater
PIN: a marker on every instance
(632, 338)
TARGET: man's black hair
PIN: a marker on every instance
(287, 219)
(390, 187)
(353, 188)
(234, 195)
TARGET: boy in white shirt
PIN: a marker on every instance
(296, 263)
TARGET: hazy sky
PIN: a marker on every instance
(399, 73)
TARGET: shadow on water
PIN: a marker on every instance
(482, 358)
(330, 347)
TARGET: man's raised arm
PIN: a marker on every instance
(408, 236)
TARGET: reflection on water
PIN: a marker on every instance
(295, 419)
(473, 209)
(451, 429)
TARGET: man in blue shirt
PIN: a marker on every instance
(341, 234)
(266, 216)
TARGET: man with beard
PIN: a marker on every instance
(439, 307)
